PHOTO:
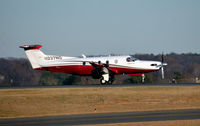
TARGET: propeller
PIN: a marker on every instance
(162, 73)
(162, 66)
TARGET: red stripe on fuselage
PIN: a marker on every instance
(86, 69)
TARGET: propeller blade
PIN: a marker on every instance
(162, 58)
(162, 66)
(162, 73)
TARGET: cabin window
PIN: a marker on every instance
(99, 62)
(131, 59)
(128, 59)
(84, 63)
(107, 63)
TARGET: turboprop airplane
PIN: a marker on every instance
(103, 68)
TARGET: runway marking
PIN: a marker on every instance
(100, 118)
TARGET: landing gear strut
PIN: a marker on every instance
(143, 77)
(107, 77)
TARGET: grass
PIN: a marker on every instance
(66, 101)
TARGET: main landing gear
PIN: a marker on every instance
(107, 77)
(103, 81)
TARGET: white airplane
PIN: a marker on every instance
(103, 68)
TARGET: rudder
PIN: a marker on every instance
(35, 56)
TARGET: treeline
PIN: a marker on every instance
(182, 68)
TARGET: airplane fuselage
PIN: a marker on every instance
(104, 68)
(82, 66)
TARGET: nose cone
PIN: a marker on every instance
(161, 64)
(155, 64)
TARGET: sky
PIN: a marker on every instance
(100, 27)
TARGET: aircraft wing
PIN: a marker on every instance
(77, 61)
(98, 65)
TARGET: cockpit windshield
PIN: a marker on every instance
(131, 59)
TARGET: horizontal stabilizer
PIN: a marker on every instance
(30, 47)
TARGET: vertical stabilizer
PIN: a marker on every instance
(35, 56)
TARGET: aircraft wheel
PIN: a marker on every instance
(102, 81)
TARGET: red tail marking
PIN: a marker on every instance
(28, 47)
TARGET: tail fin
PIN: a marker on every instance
(35, 56)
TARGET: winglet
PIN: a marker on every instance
(29, 47)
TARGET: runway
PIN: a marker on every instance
(104, 118)
(100, 86)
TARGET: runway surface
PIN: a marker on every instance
(100, 86)
(104, 118)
